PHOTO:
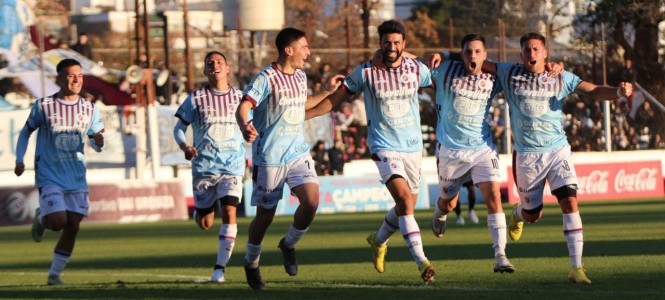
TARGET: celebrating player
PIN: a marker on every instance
(218, 154)
(542, 152)
(278, 96)
(64, 120)
(466, 151)
(395, 138)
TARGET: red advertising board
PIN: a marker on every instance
(608, 181)
(121, 202)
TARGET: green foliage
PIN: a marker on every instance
(173, 260)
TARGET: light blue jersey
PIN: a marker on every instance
(279, 115)
(217, 137)
(391, 103)
(463, 102)
(63, 127)
(535, 106)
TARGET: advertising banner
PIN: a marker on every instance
(611, 181)
(341, 194)
(121, 202)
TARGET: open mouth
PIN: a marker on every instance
(532, 62)
(473, 65)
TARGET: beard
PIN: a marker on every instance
(389, 59)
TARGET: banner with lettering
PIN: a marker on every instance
(341, 194)
(118, 202)
(618, 181)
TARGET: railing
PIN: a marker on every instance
(653, 100)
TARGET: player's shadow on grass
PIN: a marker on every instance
(397, 253)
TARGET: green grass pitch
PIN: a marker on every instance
(624, 254)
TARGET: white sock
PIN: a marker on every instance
(440, 212)
(252, 255)
(227, 239)
(60, 260)
(293, 236)
(389, 226)
(518, 212)
(572, 229)
(411, 233)
(496, 224)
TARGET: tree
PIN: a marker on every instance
(633, 25)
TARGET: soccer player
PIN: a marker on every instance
(466, 150)
(542, 152)
(278, 96)
(218, 154)
(64, 120)
(395, 138)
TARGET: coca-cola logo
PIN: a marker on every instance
(595, 183)
(643, 180)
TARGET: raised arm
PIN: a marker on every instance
(333, 84)
(603, 92)
(328, 103)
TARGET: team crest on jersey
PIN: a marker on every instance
(81, 118)
(483, 83)
(408, 77)
(544, 79)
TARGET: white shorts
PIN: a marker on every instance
(532, 169)
(54, 199)
(269, 181)
(404, 164)
(207, 190)
(456, 167)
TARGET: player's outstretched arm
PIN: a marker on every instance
(603, 92)
(327, 104)
(21, 148)
(331, 87)
(245, 124)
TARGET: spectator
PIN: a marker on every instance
(657, 142)
(645, 116)
(82, 46)
(63, 44)
(343, 121)
(320, 156)
(325, 72)
(498, 127)
(337, 159)
(360, 123)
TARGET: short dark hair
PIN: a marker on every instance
(287, 36)
(391, 26)
(66, 63)
(472, 37)
(532, 36)
(209, 54)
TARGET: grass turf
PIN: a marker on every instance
(624, 255)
